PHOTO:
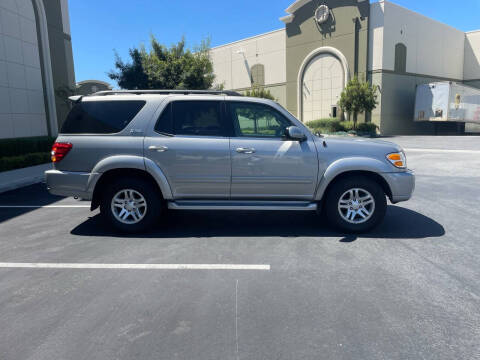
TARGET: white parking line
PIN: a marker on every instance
(41, 206)
(136, 266)
(444, 151)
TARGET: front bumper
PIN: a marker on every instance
(66, 183)
(402, 185)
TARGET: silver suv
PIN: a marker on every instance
(135, 154)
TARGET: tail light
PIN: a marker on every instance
(60, 150)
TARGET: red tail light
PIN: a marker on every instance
(60, 150)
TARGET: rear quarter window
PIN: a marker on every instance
(101, 117)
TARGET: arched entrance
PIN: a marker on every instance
(322, 77)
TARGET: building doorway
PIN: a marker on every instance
(322, 85)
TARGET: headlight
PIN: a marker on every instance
(399, 160)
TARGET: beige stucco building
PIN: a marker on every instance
(323, 43)
(36, 63)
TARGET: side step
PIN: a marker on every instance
(242, 205)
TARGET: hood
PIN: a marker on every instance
(357, 146)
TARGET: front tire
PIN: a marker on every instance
(131, 205)
(355, 204)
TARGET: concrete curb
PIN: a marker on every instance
(14, 179)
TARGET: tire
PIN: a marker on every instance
(355, 204)
(137, 197)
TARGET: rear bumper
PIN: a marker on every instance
(402, 185)
(65, 183)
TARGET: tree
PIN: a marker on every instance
(162, 67)
(358, 97)
(260, 92)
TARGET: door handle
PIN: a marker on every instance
(245, 150)
(158, 148)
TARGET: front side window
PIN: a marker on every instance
(257, 120)
(101, 117)
(202, 118)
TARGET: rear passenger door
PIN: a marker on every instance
(190, 144)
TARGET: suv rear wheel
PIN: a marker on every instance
(355, 204)
(131, 204)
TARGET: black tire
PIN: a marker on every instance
(145, 188)
(341, 187)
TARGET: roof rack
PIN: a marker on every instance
(167, 92)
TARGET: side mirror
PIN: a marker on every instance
(294, 133)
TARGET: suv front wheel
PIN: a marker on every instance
(131, 205)
(355, 204)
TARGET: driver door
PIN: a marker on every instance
(266, 165)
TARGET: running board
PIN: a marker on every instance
(242, 205)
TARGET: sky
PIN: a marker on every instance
(100, 27)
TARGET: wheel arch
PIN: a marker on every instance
(370, 168)
(114, 167)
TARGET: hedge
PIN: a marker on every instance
(22, 161)
(24, 146)
(333, 125)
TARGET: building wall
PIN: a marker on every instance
(304, 36)
(61, 53)
(471, 71)
(367, 36)
(433, 48)
(22, 109)
(232, 62)
(435, 52)
(28, 106)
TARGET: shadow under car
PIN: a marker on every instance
(399, 223)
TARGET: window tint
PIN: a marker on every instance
(101, 117)
(197, 118)
(257, 120)
(164, 124)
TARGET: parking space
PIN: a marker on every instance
(250, 285)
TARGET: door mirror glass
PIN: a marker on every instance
(294, 133)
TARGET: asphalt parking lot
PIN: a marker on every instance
(285, 286)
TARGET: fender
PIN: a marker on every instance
(350, 164)
(130, 162)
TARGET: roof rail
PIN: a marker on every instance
(167, 92)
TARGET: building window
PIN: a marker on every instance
(400, 58)
(258, 74)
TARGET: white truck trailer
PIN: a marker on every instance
(447, 102)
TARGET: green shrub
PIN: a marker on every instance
(22, 161)
(260, 92)
(347, 125)
(329, 125)
(368, 128)
(333, 125)
(22, 146)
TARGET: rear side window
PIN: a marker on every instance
(202, 118)
(101, 117)
(164, 124)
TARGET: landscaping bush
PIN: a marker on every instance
(333, 125)
(329, 125)
(260, 92)
(367, 128)
(21, 161)
(23, 146)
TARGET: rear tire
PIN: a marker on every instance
(355, 204)
(131, 205)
